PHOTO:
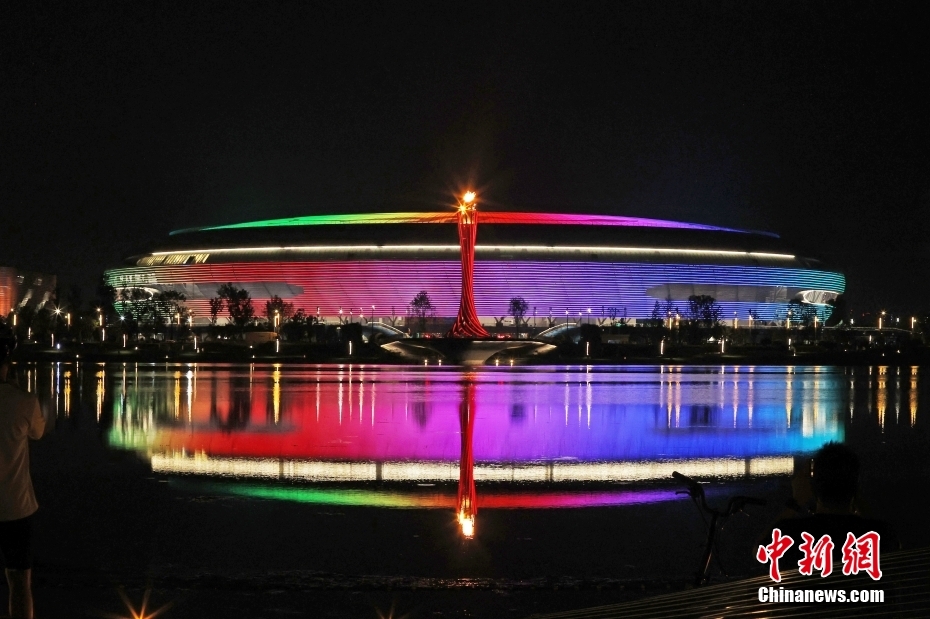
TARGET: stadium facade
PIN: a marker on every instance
(20, 289)
(562, 265)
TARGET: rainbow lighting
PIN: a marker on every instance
(506, 443)
(561, 264)
(451, 217)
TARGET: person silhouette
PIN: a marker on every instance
(20, 420)
(832, 481)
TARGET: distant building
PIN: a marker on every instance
(564, 266)
(20, 289)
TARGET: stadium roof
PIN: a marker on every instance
(486, 217)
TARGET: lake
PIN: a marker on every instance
(359, 476)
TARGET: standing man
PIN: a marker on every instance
(20, 420)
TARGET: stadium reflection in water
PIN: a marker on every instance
(540, 437)
(361, 425)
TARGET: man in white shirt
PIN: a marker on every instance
(20, 420)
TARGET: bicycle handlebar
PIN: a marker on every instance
(696, 491)
(693, 486)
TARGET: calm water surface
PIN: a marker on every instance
(355, 474)
(486, 438)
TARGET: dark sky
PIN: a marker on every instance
(122, 122)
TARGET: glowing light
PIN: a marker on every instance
(332, 471)
(141, 613)
(543, 249)
(468, 524)
(469, 197)
(491, 218)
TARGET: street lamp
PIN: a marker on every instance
(880, 320)
(372, 314)
(913, 320)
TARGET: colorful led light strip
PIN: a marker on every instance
(437, 500)
(487, 217)
(480, 249)
(572, 286)
(318, 471)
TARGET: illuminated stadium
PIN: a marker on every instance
(562, 265)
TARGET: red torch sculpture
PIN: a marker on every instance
(467, 502)
(467, 323)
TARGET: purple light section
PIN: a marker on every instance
(563, 219)
(570, 417)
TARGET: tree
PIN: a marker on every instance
(703, 313)
(106, 294)
(277, 305)
(517, 308)
(704, 309)
(216, 306)
(656, 317)
(422, 307)
(295, 326)
(839, 313)
(132, 304)
(75, 299)
(669, 308)
(238, 305)
(169, 306)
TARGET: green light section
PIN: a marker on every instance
(349, 218)
(349, 497)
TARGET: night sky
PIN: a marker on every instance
(121, 122)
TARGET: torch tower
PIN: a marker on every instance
(467, 324)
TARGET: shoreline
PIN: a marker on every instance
(563, 355)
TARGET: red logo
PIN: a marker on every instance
(817, 556)
(860, 554)
(773, 552)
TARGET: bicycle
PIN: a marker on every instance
(734, 506)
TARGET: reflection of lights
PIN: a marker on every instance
(390, 614)
(311, 470)
(439, 500)
(141, 613)
(912, 397)
(467, 522)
